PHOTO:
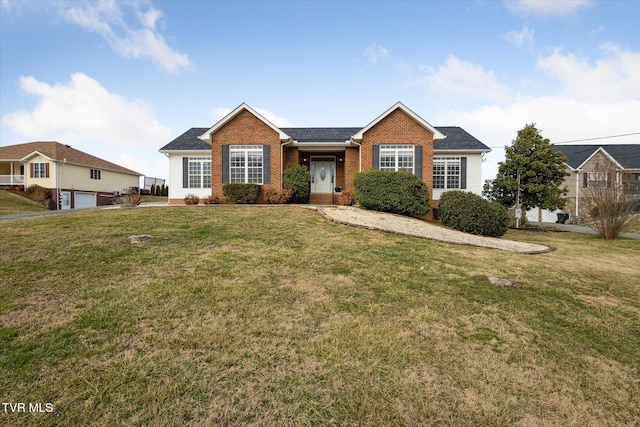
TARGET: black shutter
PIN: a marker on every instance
(463, 173)
(417, 163)
(266, 164)
(375, 157)
(225, 164)
(185, 172)
(585, 179)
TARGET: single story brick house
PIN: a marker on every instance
(75, 179)
(244, 147)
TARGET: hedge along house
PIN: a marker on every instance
(244, 147)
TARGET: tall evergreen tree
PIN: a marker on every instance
(541, 171)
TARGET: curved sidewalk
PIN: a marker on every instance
(418, 228)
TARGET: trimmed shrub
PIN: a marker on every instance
(471, 213)
(298, 179)
(191, 199)
(396, 192)
(241, 193)
(277, 197)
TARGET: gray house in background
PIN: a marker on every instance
(581, 164)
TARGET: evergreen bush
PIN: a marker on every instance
(241, 193)
(298, 179)
(471, 213)
(396, 192)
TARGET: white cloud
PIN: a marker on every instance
(596, 100)
(281, 122)
(464, 78)
(130, 40)
(525, 36)
(375, 53)
(613, 78)
(546, 8)
(83, 111)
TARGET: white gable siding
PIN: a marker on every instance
(474, 172)
(175, 175)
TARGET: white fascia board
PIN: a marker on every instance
(604, 152)
(437, 135)
(182, 152)
(313, 145)
(242, 107)
(36, 153)
(188, 153)
(458, 152)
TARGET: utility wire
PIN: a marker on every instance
(586, 139)
(599, 137)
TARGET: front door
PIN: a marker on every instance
(323, 174)
(65, 200)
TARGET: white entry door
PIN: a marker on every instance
(323, 172)
(65, 200)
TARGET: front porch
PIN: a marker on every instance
(327, 170)
(11, 174)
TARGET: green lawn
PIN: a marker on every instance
(272, 316)
(11, 204)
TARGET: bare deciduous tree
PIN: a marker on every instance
(610, 207)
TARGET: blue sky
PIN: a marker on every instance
(120, 79)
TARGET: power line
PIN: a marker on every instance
(597, 138)
(585, 139)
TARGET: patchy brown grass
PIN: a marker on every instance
(273, 316)
(11, 204)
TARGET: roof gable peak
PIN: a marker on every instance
(242, 107)
(437, 135)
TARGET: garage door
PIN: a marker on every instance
(85, 200)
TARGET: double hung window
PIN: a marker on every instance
(39, 170)
(446, 173)
(597, 180)
(95, 173)
(246, 164)
(397, 157)
(199, 172)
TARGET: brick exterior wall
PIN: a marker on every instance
(351, 167)
(400, 128)
(291, 156)
(244, 129)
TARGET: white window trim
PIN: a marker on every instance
(397, 149)
(40, 170)
(446, 160)
(246, 150)
(202, 161)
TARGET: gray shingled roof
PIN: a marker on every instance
(457, 138)
(628, 155)
(320, 134)
(188, 141)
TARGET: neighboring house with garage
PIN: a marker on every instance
(76, 179)
(244, 147)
